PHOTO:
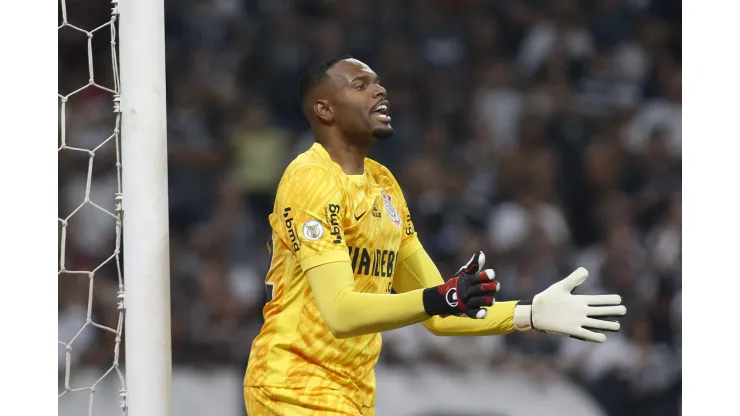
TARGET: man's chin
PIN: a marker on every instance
(383, 133)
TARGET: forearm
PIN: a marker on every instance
(499, 321)
(349, 313)
(418, 271)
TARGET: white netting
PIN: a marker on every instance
(91, 308)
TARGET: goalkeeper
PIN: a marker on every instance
(342, 240)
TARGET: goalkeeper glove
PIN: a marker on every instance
(557, 311)
(464, 294)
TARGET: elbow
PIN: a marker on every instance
(339, 329)
(336, 312)
(337, 322)
(342, 334)
(336, 315)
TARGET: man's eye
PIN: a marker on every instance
(360, 87)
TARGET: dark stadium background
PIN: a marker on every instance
(545, 132)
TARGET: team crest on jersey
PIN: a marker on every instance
(390, 209)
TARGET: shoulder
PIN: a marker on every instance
(308, 166)
(381, 173)
(308, 174)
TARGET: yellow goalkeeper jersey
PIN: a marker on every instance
(321, 215)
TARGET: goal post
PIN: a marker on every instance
(148, 352)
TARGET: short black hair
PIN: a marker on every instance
(314, 76)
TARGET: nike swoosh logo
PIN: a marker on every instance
(357, 218)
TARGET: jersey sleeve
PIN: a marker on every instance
(349, 313)
(310, 217)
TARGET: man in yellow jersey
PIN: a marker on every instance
(342, 239)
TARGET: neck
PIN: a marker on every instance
(349, 156)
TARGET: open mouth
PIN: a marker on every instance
(380, 112)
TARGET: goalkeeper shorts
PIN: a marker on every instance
(272, 401)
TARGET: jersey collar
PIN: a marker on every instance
(378, 180)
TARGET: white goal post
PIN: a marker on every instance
(146, 247)
(132, 208)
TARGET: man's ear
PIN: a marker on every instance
(323, 110)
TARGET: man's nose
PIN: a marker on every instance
(379, 92)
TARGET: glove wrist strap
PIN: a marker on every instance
(523, 316)
(434, 303)
(530, 305)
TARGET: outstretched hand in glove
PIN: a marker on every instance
(557, 310)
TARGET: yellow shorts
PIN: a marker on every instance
(271, 401)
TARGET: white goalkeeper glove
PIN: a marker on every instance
(557, 311)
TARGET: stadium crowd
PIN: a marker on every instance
(546, 133)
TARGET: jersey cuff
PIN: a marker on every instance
(408, 248)
(324, 257)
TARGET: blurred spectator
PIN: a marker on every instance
(259, 155)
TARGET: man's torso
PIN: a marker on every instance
(295, 348)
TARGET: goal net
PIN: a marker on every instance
(91, 291)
